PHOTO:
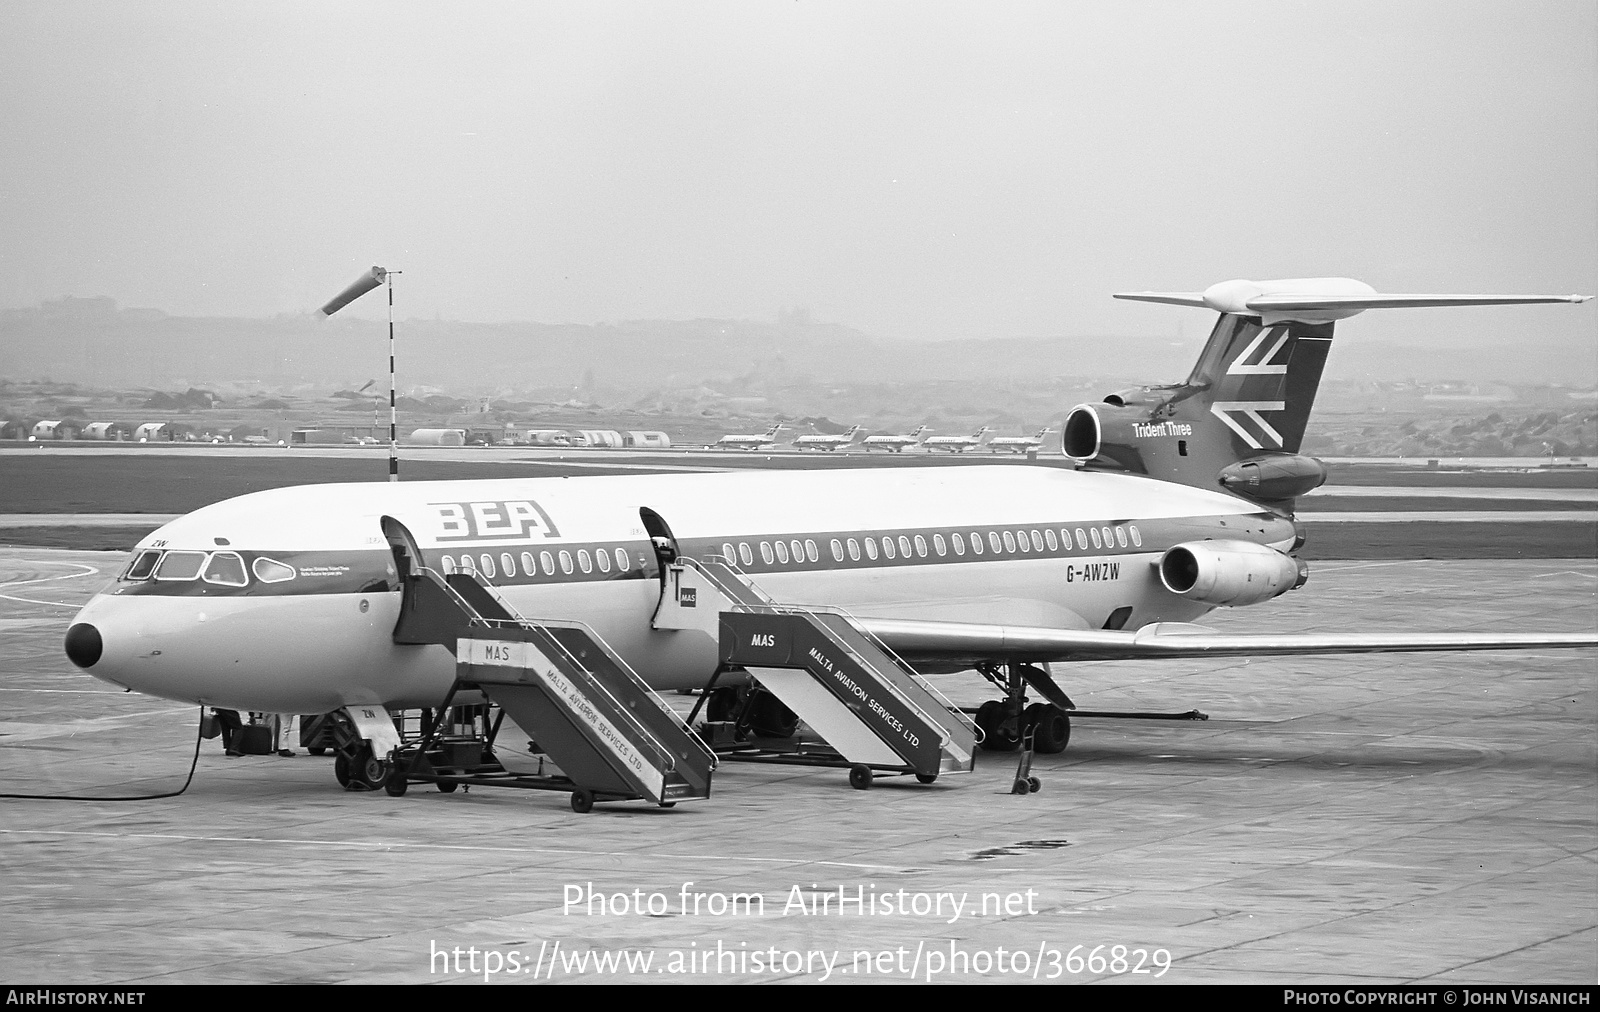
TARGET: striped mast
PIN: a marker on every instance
(357, 288)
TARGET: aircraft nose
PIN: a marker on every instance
(84, 645)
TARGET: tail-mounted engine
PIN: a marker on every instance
(1232, 573)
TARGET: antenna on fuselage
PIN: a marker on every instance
(359, 287)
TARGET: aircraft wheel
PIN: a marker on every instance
(769, 718)
(367, 771)
(1052, 729)
(669, 804)
(927, 778)
(317, 750)
(447, 786)
(1020, 786)
(860, 777)
(395, 784)
(341, 769)
(1034, 785)
(582, 801)
(991, 721)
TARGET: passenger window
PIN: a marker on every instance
(227, 569)
(272, 571)
(1050, 539)
(140, 567)
(566, 562)
(466, 564)
(905, 547)
(1094, 535)
(1011, 543)
(1083, 542)
(938, 545)
(583, 561)
(922, 547)
(1066, 539)
(837, 549)
(727, 551)
(508, 565)
(959, 544)
(529, 567)
(486, 565)
(766, 553)
(811, 550)
(622, 558)
(1037, 539)
(180, 565)
(547, 562)
(1122, 538)
(602, 559)
(1105, 535)
(782, 551)
(977, 544)
(1133, 532)
(797, 550)
(855, 551)
(447, 565)
(994, 542)
(872, 549)
(744, 554)
(888, 547)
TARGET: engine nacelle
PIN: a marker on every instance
(1274, 476)
(1080, 434)
(1232, 573)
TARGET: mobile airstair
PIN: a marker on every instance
(873, 711)
(609, 735)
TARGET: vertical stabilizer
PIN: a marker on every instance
(1238, 420)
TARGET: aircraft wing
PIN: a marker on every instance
(948, 643)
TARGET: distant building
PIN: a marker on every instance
(600, 437)
(437, 437)
(650, 439)
(107, 430)
(64, 429)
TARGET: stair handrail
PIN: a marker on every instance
(856, 623)
(613, 656)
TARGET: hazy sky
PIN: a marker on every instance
(913, 169)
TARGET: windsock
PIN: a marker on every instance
(359, 287)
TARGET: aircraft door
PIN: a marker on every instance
(403, 547)
(662, 541)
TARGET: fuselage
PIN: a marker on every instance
(286, 600)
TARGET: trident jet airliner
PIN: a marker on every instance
(1182, 502)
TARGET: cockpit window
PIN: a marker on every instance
(227, 569)
(271, 570)
(140, 567)
(180, 565)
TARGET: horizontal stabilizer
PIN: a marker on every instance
(951, 642)
(1321, 300)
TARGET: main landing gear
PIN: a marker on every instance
(1007, 722)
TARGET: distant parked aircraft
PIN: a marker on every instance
(894, 444)
(821, 442)
(957, 444)
(1018, 444)
(753, 442)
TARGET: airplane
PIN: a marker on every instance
(957, 444)
(821, 442)
(1018, 444)
(752, 442)
(286, 600)
(895, 444)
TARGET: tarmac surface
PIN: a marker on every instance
(1367, 819)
